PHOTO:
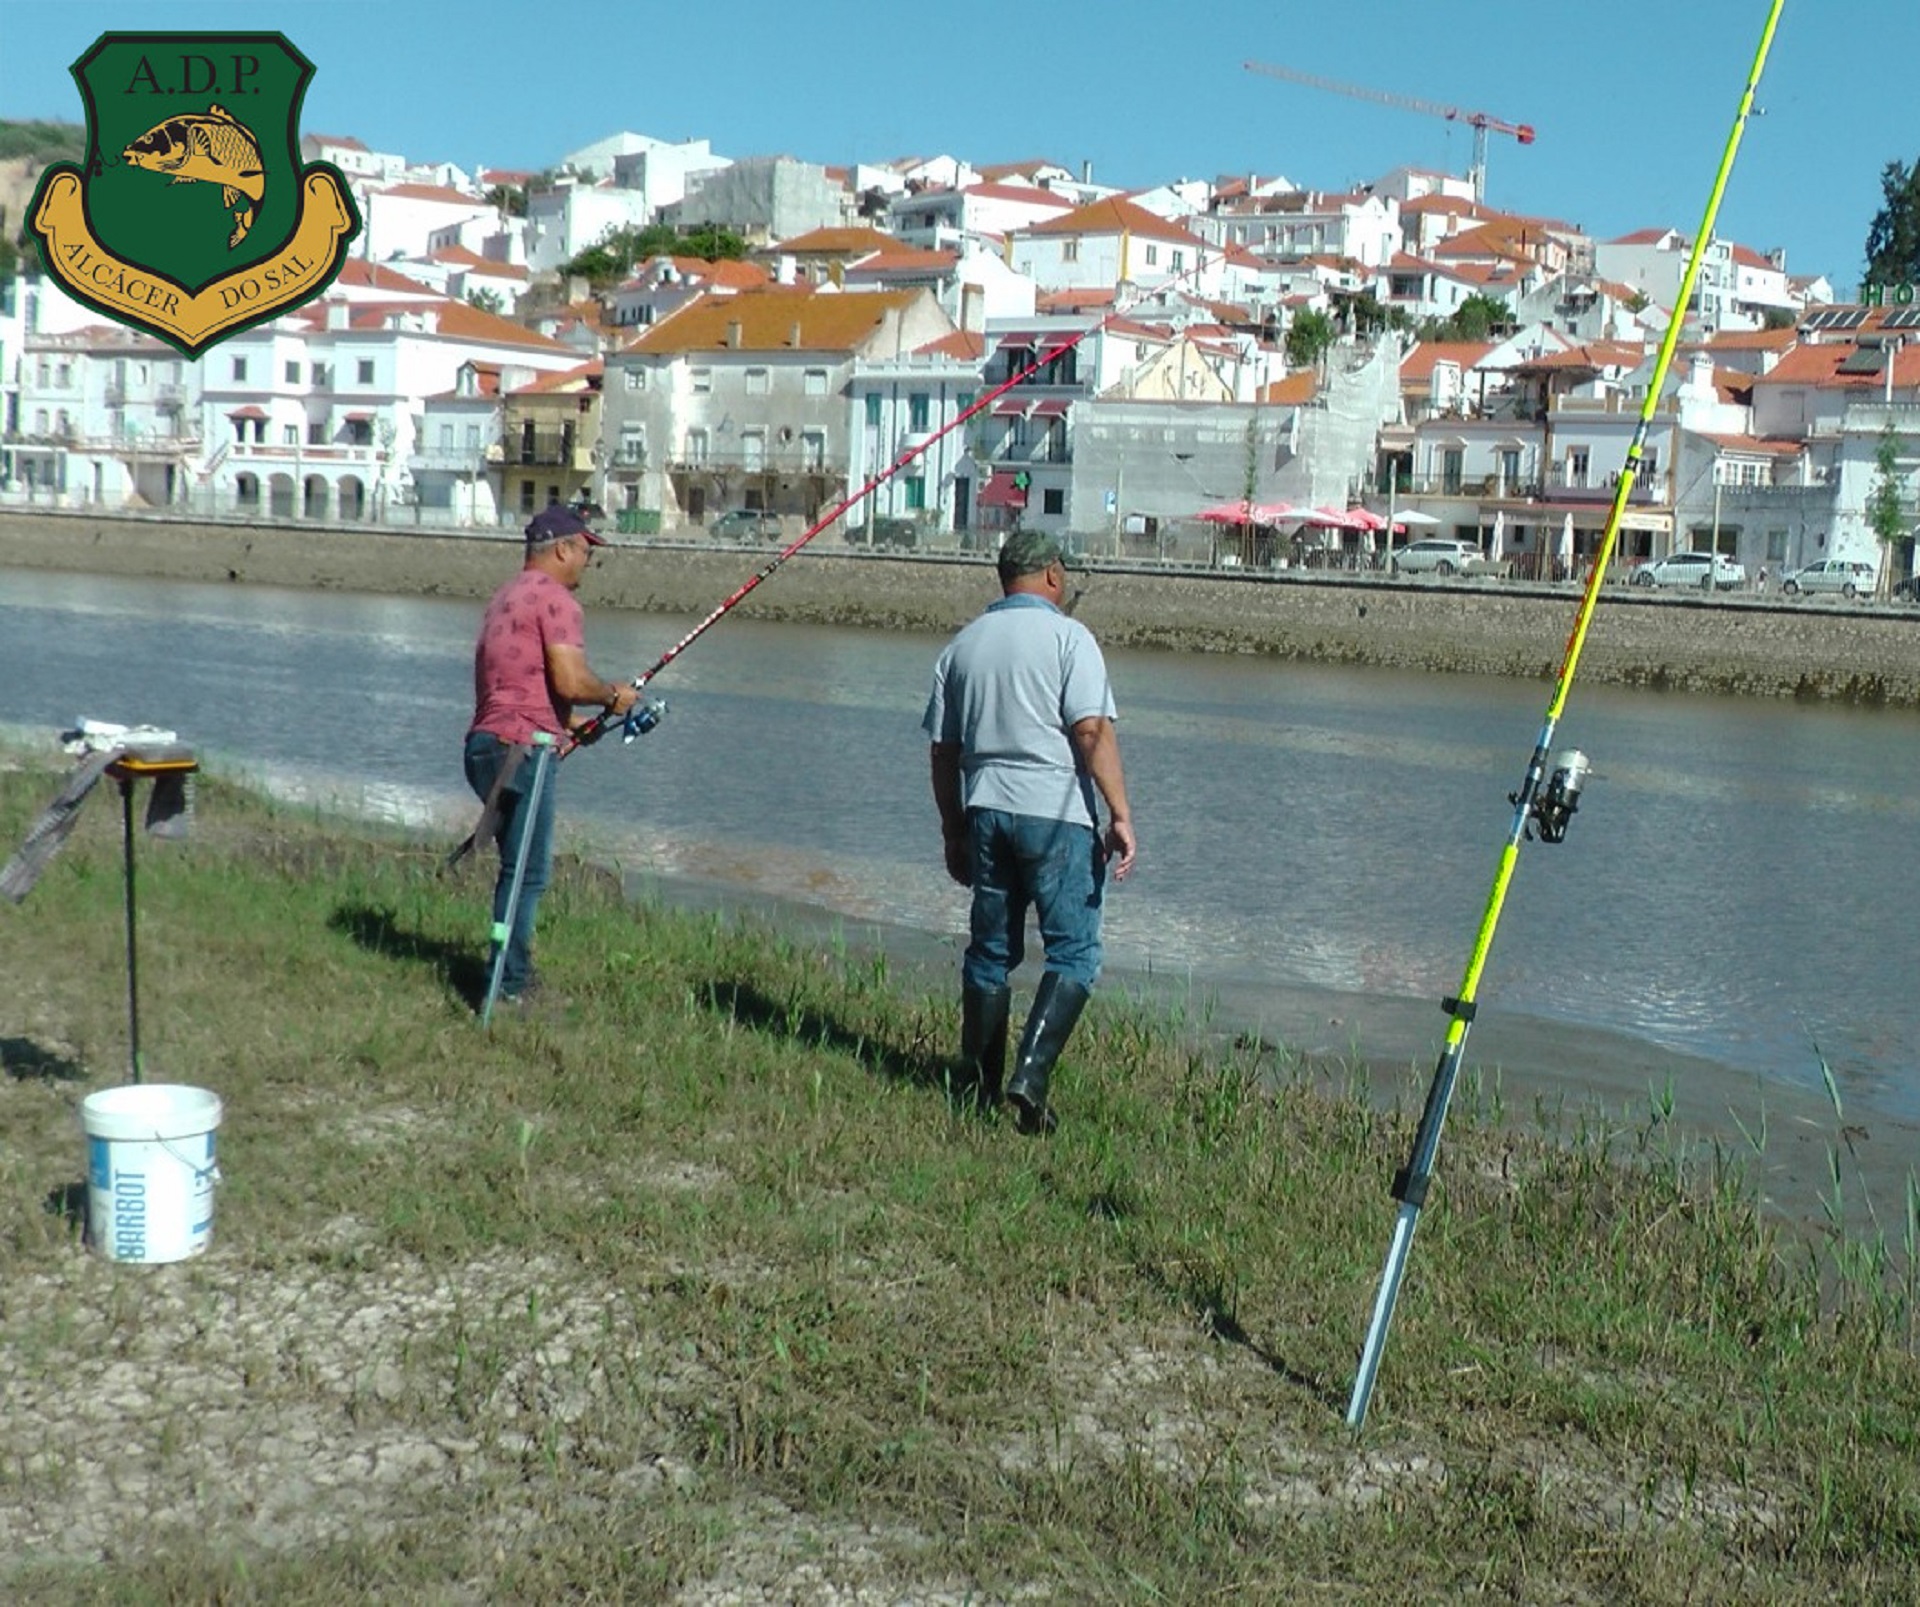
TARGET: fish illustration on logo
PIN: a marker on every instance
(215, 149)
(241, 229)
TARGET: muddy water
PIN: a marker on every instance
(1736, 886)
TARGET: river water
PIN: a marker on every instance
(1737, 885)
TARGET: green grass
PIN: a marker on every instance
(703, 1289)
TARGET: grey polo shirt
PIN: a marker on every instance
(1007, 689)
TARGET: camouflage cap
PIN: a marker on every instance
(1027, 552)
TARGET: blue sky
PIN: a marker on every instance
(1632, 107)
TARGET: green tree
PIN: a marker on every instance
(487, 299)
(619, 251)
(1479, 318)
(1893, 239)
(1308, 336)
(1886, 517)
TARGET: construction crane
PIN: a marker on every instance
(1479, 122)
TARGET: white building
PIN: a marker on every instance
(1113, 244)
(572, 215)
(401, 219)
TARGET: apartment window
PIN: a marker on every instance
(239, 369)
(813, 450)
(696, 446)
(636, 378)
(526, 496)
(293, 372)
(1179, 260)
(1649, 467)
(40, 421)
(758, 382)
(63, 375)
(46, 373)
(1576, 465)
(873, 407)
(815, 382)
(446, 437)
(753, 450)
(1153, 256)
(1069, 250)
(1452, 465)
(290, 435)
(366, 371)
(633, 444)
(321, 376)
(1053, 501)
(473, 437)
(316, 435)
(1510, 467)
(917, 410)
(702, 380)
(916, 485)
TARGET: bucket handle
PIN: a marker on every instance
(201, 1174)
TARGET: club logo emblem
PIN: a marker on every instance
(193, 217)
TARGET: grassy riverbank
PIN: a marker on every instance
(698, 1289)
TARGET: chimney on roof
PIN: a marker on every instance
(1086, 172)
(733, 333)
(793, 333)
(783, 268)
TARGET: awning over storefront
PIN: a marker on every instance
(1011, 407)
(1017, 343)
(1000, 491)
(1051, 407)
(249, 411)
(359, 418)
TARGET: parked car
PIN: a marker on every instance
(1434, 555)
(745, 524)
(888, 531)
(1848, 576)
(1704, 571)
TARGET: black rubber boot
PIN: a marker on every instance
(983, 1043)
(1057, 1004)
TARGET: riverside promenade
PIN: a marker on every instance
(1746, 645)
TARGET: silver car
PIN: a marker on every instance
(1847, 576)
(1704, 571)
(1435, 555)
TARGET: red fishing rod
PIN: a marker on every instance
(592, 730)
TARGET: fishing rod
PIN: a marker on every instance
(1547, 807)
(592, 730)
(643, 717)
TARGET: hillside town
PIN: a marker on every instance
(1234, 371)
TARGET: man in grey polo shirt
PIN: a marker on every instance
(1021, 720)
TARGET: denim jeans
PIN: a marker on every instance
(485, 754)
(1054, 867)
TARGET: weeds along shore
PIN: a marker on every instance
(698, 1287)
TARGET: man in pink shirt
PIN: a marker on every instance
(529, 672)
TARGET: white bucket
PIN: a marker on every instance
(150, 1171)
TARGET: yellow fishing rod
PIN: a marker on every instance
(1546, 808)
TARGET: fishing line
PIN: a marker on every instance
(1547, 808)
(643, 717)
(592, 730)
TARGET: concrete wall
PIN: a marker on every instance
(1749, 647)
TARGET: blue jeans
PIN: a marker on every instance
(1052, 866)
(485, 754)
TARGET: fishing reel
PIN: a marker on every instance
(642, 718)
(1554, 804)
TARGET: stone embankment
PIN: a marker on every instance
(1746, 645)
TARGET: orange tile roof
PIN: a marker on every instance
(431, 192)
(1074, 300)
(1774, 446)
(769, 320)
(1028, 194)
(994, 171)
(578, 378)
(372, 276)
(966, 346)
(1296, 390)
(840, 242)
(1419, 364)
(1113, 216)
(1741, 340)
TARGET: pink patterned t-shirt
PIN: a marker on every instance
(511, 695)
